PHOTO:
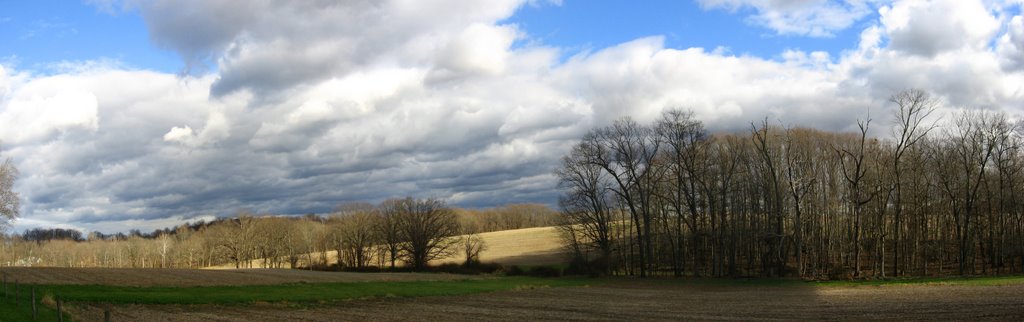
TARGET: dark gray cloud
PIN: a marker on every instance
(247, 40)
(197, 30)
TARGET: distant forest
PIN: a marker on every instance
(669, 198)
(406, 232)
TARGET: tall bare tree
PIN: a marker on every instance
(913, 108)
(854, 171)
(769, 165)
(799, 182)
(686, 149)
(968, 151)
(627, 152)
(585, 205)
(9, 202)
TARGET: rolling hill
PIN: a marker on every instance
(528, 246)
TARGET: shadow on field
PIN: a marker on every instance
(532, 258)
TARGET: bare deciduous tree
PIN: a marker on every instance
(627, 152)
(426, 227)
(353, 231)
(913, 107)
(388, 228)
(472, 246)
(854, 171)
(9, 202)
(585, 205)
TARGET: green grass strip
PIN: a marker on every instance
(969, 281)
(23, 310)
(786, 282)
(297, 293)
(9, 312)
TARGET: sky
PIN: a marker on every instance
(143, 114)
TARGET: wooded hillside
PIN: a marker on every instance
(669, 198)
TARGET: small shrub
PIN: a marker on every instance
(483, 268)
(789, 271)
(489, 268)
(398, 269)
(48, 300)
(579, 266)
(515, 270)
(453, 268)
(839, 271)
(472, 268)
(364, 269)
(545, 271)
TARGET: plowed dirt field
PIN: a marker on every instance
(628, 300)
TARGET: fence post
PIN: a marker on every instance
(106, 315)
(35, 312)
(60, 312)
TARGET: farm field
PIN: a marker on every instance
(528, 246)
(397, 296)
(619, 300)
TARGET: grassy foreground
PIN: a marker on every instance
(298, 292)
(303, 294)
(294, 293)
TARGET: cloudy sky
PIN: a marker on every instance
(144, 114)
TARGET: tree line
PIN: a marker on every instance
(669, 198)
(404, 232)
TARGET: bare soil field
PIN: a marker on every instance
(199, 277)
(619, 300)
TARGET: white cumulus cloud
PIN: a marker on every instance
(928, 28)
(43, 110)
